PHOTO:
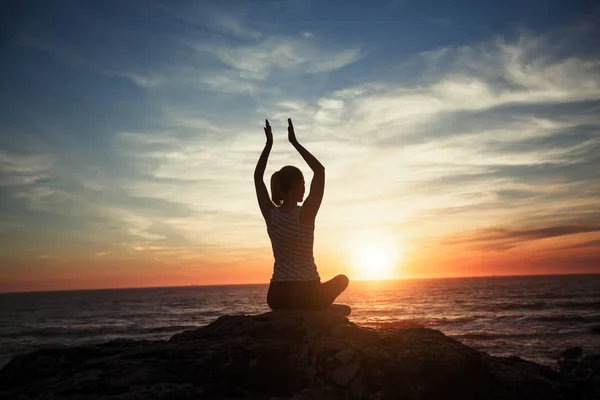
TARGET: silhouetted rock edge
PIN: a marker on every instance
(299, 355)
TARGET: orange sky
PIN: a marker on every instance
(127, 152)
(546, 256)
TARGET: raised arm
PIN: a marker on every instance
(262, 195)
(311, 205)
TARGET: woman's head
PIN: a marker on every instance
(287, 184)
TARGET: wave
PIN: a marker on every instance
(582, 305)
(440, 323)
(399, 324)
(549, 295)
(495, 336)
(67, 332)
(179, 313)
(565, 318)
(477, 336)
(473, 318)
(511, 306)
(420, 322)
(457, 320)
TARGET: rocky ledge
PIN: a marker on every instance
(285, 355)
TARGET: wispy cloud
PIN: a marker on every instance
(503, 238)
(22, 169)
(271, 59)
(142, 136)
(585, 245)
(226, 54)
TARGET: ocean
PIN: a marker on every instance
(534, 317)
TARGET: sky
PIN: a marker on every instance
(462, 137)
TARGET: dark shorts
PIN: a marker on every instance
(296, 295)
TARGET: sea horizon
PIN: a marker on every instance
(267, 282)
(530, 316)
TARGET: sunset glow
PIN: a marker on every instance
(454, 144)
(375, 261)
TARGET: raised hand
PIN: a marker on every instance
(317, 185)
(291, 133)
(268, 132)
(262, 195)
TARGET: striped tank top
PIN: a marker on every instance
(292, 243)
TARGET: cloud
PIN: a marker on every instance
(276, 56)
(204, 47)
(21, 168)
(504, 238)
(474, 79)
(223, 83)
(454, 139)
(233, 25)
(497, 131)
(594, 244)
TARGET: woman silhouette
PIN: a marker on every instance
(295, 283)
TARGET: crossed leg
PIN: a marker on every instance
(333, 288)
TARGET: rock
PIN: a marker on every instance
(344, 374)
(345, 356)
(343, 366)
(571, 353)
(281, 355)
(580, 375)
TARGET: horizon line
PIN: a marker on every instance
(266, 283)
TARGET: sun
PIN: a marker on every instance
(375, 260)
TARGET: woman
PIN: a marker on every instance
(295, 284)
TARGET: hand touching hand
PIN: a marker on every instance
(291, 133)
(268, 132)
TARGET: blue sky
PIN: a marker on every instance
(129, 132)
